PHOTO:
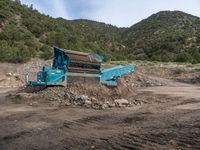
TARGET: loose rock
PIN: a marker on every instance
(121, 102)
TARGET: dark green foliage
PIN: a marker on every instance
(16, 53)
(46, 52)
(165, 36)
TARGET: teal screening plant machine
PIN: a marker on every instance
(68, 63)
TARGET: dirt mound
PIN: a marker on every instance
(141, 80)
(95, 96)
(11, 80)
(90, 95)
(13, 75)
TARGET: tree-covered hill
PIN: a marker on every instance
(166, 36)
(26, 33)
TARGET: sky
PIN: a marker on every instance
(121, 13)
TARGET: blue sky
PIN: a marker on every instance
(122, 13)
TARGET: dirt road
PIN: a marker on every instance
(169, 121)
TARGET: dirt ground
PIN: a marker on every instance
(168, 118)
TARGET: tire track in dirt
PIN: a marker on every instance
(153, 126)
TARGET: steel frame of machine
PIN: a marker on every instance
(72, 63)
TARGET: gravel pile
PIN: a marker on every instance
(87, 95)
(140, 80)
(96, 95)
(13, 75)
(11, 80)
(90, 95)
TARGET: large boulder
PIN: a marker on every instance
(121, 102)
(82, 100)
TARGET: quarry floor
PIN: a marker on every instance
(171, 121)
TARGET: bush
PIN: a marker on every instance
(184, 57)
(16, 53)
(179, 70)
(23, 53)
(47, 52)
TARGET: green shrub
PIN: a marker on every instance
(46, 52)
(16, 53)
(179, 70)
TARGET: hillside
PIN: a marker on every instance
(26, 33)
(165, 36)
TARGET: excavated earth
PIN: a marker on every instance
(146, 111)
(90, 95)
